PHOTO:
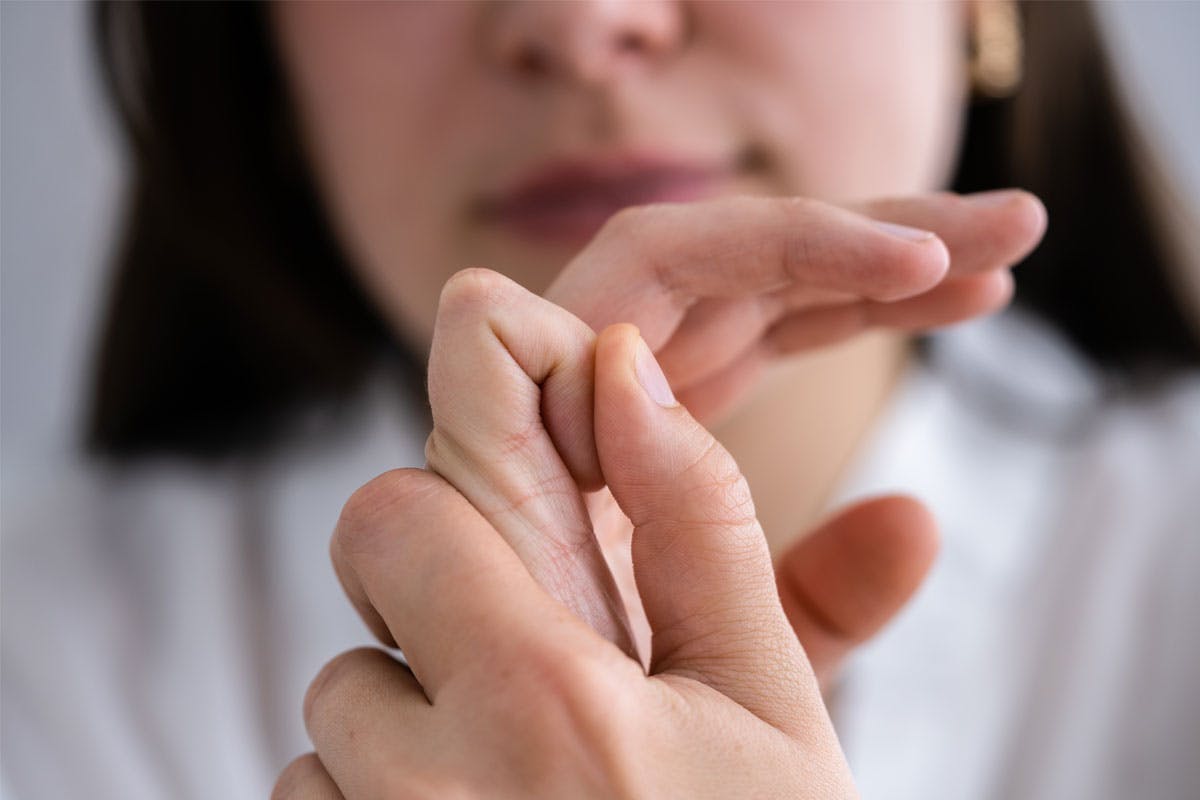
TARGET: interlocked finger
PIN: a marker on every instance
(510, 387)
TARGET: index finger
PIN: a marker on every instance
(431, 575)
(649, 264)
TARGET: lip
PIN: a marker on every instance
(568, 200)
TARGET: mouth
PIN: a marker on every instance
(567, 201)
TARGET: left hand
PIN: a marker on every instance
(721, 288)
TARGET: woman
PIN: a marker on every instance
(445, 136)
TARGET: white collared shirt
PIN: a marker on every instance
(1054, 650)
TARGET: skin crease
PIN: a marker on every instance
(412, 111)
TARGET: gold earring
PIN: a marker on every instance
(997, 48)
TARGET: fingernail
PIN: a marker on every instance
(992, 197)
(903, 231)
(651, 377)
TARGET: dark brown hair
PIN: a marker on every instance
(232, 303)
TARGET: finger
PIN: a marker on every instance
(510, 387)
(844, 581)
(715, 333)
(650, 264)
(720, 341)
(432, 575)
(305, 778)
(986, 231)
(527, 362)
(712, 398)
(699, 555)
(718, 375)
(363, 711)
(982, 231)
(954, 300)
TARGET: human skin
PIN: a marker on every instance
(412, 113)
(510, 695)
(517, 687)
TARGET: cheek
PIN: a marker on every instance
(858, 99)
(376, 90)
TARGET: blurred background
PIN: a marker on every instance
(60, 175)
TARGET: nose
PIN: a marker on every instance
(586, 41)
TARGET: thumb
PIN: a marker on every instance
(699, 556)
(843, 581)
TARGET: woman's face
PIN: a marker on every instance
(502, 134)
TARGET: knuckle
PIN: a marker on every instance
(725, 500)
(470, 292)
(798, 217)
(296, 776)
(717, 487)
(323, 687)
(633, 220)
(945, 197)
(341, 688)
(359, 525)
(636, 228)
(805, 243)
(522, 438)
(799, 206)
